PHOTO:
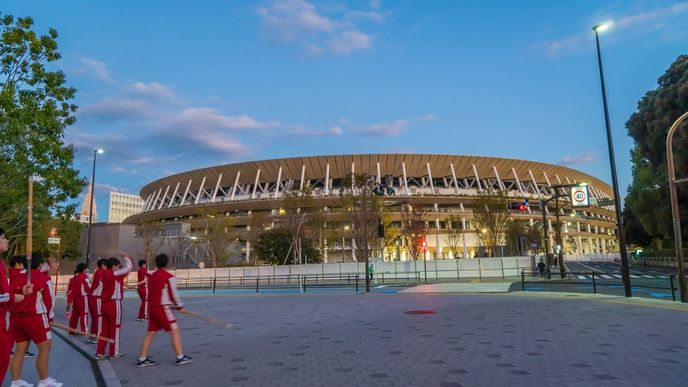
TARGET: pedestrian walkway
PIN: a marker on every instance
(66, 365)
(417, 339)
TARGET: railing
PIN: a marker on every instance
(669, 262)
(598, 280)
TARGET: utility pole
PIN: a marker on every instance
(365, 235)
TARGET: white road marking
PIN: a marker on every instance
(606, 276)
(617, 275)
(634, 276)
(581, 277)
(648, 276)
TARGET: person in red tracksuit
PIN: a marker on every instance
(17, 269)
(94, 300)
(6, 298)
(31, 319)
(142, 290)
(111, 309)
(78, 292)
(163, 298)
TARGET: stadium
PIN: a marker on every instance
(444, 186)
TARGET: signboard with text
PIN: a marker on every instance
(580, 197)
(53, 241)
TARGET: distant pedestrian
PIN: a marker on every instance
(371, 271)
(78, 291)
(142, 277)
(542, 268)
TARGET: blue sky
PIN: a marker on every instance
(168, 86)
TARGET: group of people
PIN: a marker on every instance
(30, 307)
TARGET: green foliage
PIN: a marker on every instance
(69, 232)
(647, 211)
(274, 246)
(35, 110)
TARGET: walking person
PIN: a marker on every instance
(31, 320)
(163, 298)
(142, 278)
(371, 271)
(542, 268)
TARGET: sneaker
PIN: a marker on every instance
(93, 340)
(50, 382)
(145, 363)
(115, 356)
(29, 355)
(20, 383)
(99, 356)
(184, 360)
(140, 319)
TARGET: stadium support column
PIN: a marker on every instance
(403, 170)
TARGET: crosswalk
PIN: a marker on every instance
(618, 276)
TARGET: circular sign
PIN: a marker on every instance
(579, 196)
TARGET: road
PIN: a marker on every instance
(650, 282)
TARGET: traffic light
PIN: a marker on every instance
(424, 246)
(520, 206)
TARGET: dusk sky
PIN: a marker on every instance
(168, 86)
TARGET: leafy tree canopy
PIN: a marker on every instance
(35, 110)
(647, 207)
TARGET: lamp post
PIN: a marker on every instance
(625, 275)
(90, 207)
(674, 206)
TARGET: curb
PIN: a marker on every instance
(102, 369)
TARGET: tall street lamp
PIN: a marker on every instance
(615, 184)
(90, 207)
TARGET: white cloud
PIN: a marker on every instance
(299, 22)
(347, 42)
(385, 129)
(117, 108)
(336, 130)
(118, 169)
(95, 69)
(426, 118)
(642, 22)
(203, 118)
(584, 158)
(154, 90)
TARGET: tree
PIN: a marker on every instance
(414, 228)
(151, 233)
(257, 223)
(296, 214)
(455, 236)
(647, 202)
(364, 210)
(69, 232)
(35, 110)
(219, 234)
(491, 218)
(274, 246)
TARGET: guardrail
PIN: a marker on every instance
(596, 279)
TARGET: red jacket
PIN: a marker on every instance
(113, 281)
(141, 275)
(78, 287)
(96, 288)
(162, 289)
(38, 302)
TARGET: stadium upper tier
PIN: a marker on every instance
(430, 176)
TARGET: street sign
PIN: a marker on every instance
(580, 197)
(53, 241)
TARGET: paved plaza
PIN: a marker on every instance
(520, 339)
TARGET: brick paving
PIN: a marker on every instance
(367, 340)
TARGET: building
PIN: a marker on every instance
(123, 205)
(85, 207)
(444, 186)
